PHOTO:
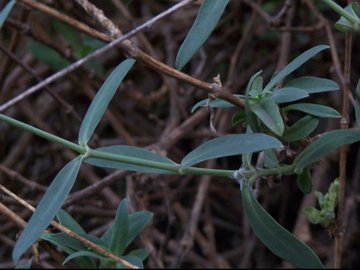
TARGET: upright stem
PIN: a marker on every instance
(339, 236)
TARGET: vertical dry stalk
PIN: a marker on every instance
(339, 236)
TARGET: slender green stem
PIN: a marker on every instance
(339, 10)
(172, 168)
(43, 134)
(132, 160)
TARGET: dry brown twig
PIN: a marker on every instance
(129, 50)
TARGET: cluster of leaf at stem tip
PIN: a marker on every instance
(266, 131)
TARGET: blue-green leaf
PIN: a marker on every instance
(83, 253)
(314, 109)
(250, 116)
(6, 11)
(357, 103)
(288, 94)
(102, 100)
(206, 20)
(324, 145)
(131, 259)
(304, 181)
(313, 85)
(276, 238)
(137, 222)
(48, 55)
(47, 208)
(301, 128)
(120, 229)
(64, 241)
(66, 220)
(293, 65)
(344, 25)
(215, 103)
(141, 253)
(133, 152)
(269, 113)
(230, 145)
(270, 159)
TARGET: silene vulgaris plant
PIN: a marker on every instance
(263, 116)
(266, 106)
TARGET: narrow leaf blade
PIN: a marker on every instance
(137, 222)
(313, 85)
(66, 220)
(48, 55)
(314, 109)
(102, 100)
(304, 181)
(6, 11)
(230, 145)
(288, 94)
(129, 151)
(63, 241)
(324, 145)
(276, 238)
(269, 113)
(293, 65)
(205, 22)
(301, 128)
(83, 253)
(47, 208)
(119, 236)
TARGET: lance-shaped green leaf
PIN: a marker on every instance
(132, 152)
(141, 253)
(344, 25)
(251, 119)
(304, 181)
(288, 94)
(269, 113)
(276, 238)
(48, 55)
(205, 22)
(301, 128)
(120, 229)
(270, 159)
(357, 103)
(131, 259)
(230, 145)
(324, 145)
(313, 85)
(64, 241)
(314, 109)
(215, 103)
(83, 253)
(293, 65)
(4, 13)
(66, 220)
(102, 100)
(47, 208)
(137, 222)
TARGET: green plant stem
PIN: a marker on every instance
(339, 10)
(43, 134)
(282, 170)
(173, 168)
